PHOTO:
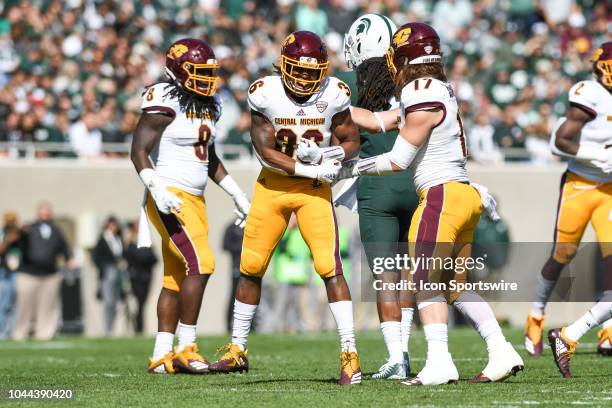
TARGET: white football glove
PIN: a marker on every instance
(243, 206)
(309, 152)
(328, 171)
(165, 201)
(488, 202)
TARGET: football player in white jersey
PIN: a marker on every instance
(301, 108)
(584, 136)
(179, 117)
(431, 142)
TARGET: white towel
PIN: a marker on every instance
(347, 196)
(144, 232)
(488, 202)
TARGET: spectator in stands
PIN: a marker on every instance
(108, 258)
(482, 146)
(38, 285)
(11, 254)
(93, 59)
(140, 263)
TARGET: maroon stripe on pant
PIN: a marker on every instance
(339, 270)
(428, 230)
(179, 237)
(563, 180)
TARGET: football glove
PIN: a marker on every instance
(243, 206)
(309, 152)
(165, 201)
(326, 171)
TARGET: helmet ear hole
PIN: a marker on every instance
(359, 48)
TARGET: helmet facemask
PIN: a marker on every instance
(202, 79)
(305, 76)
(603, 70)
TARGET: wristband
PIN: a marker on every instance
(228, 185)
(332, 153)
(302, 170)
(380, 122)
(147, 176)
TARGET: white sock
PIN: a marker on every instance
(598, 314)
(607, 323)
(392, 333)
(437, 340)
(544, 288)
(343, 314)
(406, 326)
(186, 335)
(163, 344)
(479, 313)
(243, 317)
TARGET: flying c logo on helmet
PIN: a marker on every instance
(177, 51)
(401, 37)
(290, 39)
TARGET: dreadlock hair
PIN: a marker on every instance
(190, 102)
(410, 72)
(374, 85)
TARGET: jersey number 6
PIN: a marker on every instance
(200, 147)
(286, 139)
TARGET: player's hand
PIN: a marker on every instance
(243, 206)
(328, 171)
(347, 170)
(165, 201)
(309, 152)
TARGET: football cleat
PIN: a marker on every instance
(189, 361)
(604, 345)
(391, 372)
(442, 370)
(503, 363)
(562, 349)
(232, 360)
(163, 365)
(533, 335)
(350, 368)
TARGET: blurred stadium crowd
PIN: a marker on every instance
(72, 72)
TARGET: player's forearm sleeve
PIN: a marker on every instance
(230, 186)
(402, 155)
(333, 153)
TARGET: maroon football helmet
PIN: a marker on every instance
(303, 62)
(413, 43)
(192, 64)
(602, 64)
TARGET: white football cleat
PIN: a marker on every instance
(439, 370)
(390, 371)
(503, 363)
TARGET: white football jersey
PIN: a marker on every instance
(442, 158)
(181, 159)
(592, 97)
(293, 121)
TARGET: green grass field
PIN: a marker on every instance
(291, 371)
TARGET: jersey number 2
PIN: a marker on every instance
(200, 147)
